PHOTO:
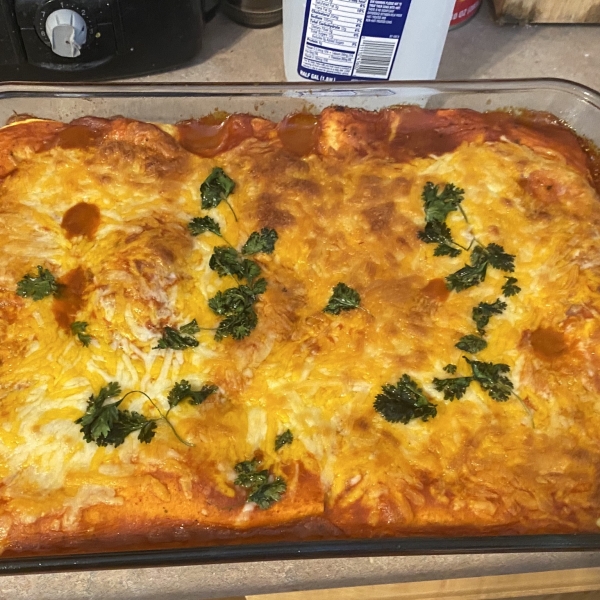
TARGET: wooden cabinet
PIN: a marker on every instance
(548, 11)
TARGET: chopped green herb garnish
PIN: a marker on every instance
(263, 241)
(403, 402)
(439, 233)
(265, 490)
(248, 476)
(342, 298)
(183, 390)
(450, 369)
(490, 376)
(78, 328)
(237, 306)
(268, 493)
(471, 344)
(200, 225)
(237, 326)
(481, 257)
(38, 287)
(284, 438)
(492, 379)
(106, 425)
(216, 188)
(510, 287)
(499, 259)
(439, 204)
(179, 340)
(228, 261)
(236, 300)
(453, 387)
(483, 312)
(190, 328)
(469, 275)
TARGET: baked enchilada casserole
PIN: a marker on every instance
(353, 324)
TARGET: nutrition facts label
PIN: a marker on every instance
(351, 39)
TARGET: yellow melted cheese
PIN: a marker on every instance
(478, 465)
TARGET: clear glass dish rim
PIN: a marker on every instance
(336, 548)
(123, 88)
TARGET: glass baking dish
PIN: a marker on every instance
(574, 104)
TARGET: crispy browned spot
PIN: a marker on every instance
(379, 216)
(270, 214)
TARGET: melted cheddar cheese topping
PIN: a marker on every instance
(104, 206)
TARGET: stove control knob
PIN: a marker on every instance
(67, 32)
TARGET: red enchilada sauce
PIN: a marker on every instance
(81, 219)
(404, 133)
(70, 299)
(214, 133)
(79, 134)
(299, 133)
(548, 343)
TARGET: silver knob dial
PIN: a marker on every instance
(67, 32)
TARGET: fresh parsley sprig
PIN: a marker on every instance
(179, 339)
(182, 390)
(217, 188)
(492, 377)
(38, 286)
(78, 328)
(440, 234)
(199, 225)
(265, 489)
(260, 241)
(471, 344)
(482, 257)
(453, 387)
(287, 437)
(483, 312)
(342, 298)
(510, 287)
(404, 401)
(226, 260)
(236, 304)
(108, 425)
(438, 205)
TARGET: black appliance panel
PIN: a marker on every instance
(66, 40)
(11, 49)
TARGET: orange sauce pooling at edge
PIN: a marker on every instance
(214, 133)
(299, 133)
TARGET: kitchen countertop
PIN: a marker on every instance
(479, 49)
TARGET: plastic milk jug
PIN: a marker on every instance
(351, 40)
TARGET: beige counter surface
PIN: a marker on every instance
(231, 53)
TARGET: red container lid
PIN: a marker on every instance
(463, 11)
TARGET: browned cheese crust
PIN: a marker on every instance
(343, 191)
